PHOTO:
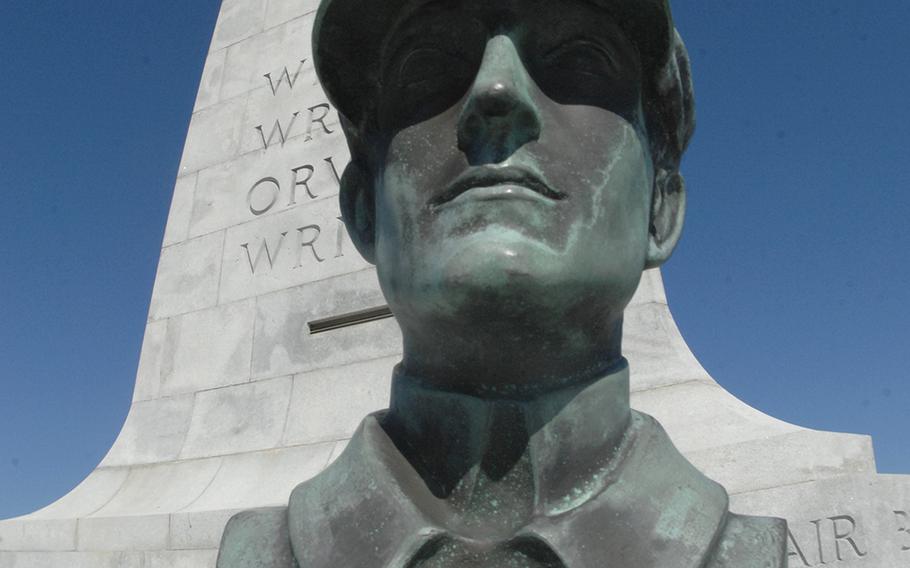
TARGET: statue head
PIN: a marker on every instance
(514, 169)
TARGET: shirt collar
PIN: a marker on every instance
(645, 505)
(574, 432)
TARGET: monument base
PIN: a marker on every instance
(853, 521)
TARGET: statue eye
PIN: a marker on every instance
(424, 82)
(428, 64)
(588, 71)
(584, 57)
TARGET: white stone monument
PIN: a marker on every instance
(237, 400)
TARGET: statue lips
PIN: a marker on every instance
(491, 182)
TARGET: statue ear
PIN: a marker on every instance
(358, 209)
(668, 212)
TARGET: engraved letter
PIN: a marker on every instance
(304, 242)
(339, 238)
(903, 526)
(334, 170)
(818, 537)
(285, 76)
(305, 183)
(325, 108)
(793, 549)
(249, 196)
(846, 534)
(268, 254)
(283, 134)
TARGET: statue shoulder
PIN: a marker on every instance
(752, 542)
(739, 541)
(258, 538)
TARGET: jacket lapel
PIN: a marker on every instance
(659, 511)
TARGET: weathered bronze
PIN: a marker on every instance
(514, 170)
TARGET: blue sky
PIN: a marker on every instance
(791, 283)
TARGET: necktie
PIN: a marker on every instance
(453, 552)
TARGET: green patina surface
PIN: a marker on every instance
(514, 170)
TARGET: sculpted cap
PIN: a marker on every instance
(348, 38)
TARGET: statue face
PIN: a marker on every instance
(515, 185)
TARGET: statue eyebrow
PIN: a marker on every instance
(603, 32)
(603, 25)
(410, 32)
(595, 41)
(402, 33)
(404, 25)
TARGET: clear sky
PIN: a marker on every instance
(791, 284)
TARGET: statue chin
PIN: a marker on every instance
(492, 275)
(490, 323)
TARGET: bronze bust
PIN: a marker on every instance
(514, 170)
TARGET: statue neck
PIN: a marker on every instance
(509, 358)
(522, 456)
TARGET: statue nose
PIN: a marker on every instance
(499, 115)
